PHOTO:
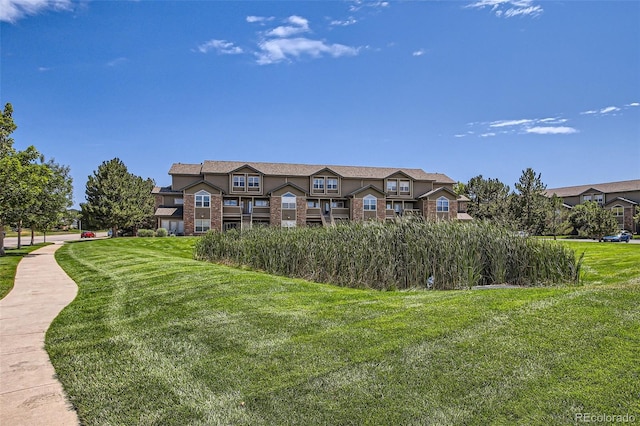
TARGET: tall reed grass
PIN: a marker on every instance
(403, 254)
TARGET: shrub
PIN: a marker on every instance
(401, 254)
(161, 232)
(145, 233)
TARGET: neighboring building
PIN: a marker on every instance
(229, 194)
(621, 198)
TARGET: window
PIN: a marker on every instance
(288, 201)
(370, 203)
(202, 225)
(332, 184)
(178, 201)
(392, 186)
(203, 199)
(231, 202)
(254, 182)
(313, 204)
(318, 184)
(337, 204)
(442, 204)
(404, 186)
(238, 182)
(618, 211)
(262, 203)
(586, 198)
(599, 198)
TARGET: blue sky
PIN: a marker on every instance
(463, 88)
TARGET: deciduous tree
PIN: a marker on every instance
(23, 178)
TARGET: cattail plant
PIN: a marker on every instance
(401, 254)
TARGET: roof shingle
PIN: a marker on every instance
(287, 169)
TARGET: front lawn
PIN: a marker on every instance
(155, 337)
(9, 265)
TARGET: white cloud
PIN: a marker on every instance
(508, 123)
(298, 25)
(509, 8)
(14, 10)
(487, 135)
(344, 23)
(359, 4)
(633, 104)
(419, 52)
(607, 110)
(547, 130)
(223, 47)
(282, 49)
(259, 19)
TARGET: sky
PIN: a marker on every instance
(464, 88)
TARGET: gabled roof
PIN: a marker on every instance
(246, 166)
(591, 190)
(607, 188)
(287, 169)
(288, 184)
(209, 184)
(327, 169)
(365, 188)
(624, 200)
(436, 190)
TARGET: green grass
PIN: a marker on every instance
(155, 337)
(9, 265)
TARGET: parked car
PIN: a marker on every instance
(88, 234)
(619, 237)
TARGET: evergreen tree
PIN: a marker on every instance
(489, 199)
(117, 199)
(530, 204)
(593, 221)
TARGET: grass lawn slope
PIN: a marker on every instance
(155, 337)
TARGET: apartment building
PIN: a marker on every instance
(621, 198)
(228, 194)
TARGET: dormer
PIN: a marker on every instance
(325, 182)
(246, 180)
(398, 184)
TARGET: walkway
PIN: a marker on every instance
(30, 393)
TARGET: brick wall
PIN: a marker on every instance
(357, 209)
(275, 207)
(189, 213)
(301, 211)
(381, 207)
(628, 219)
(216, 212)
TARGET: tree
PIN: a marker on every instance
(51, 207)
(530, 203)
(23, 177)
(557, 218)
(489, 199)
(117, 199)
(592, 221)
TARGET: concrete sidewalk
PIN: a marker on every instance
(30, 393)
